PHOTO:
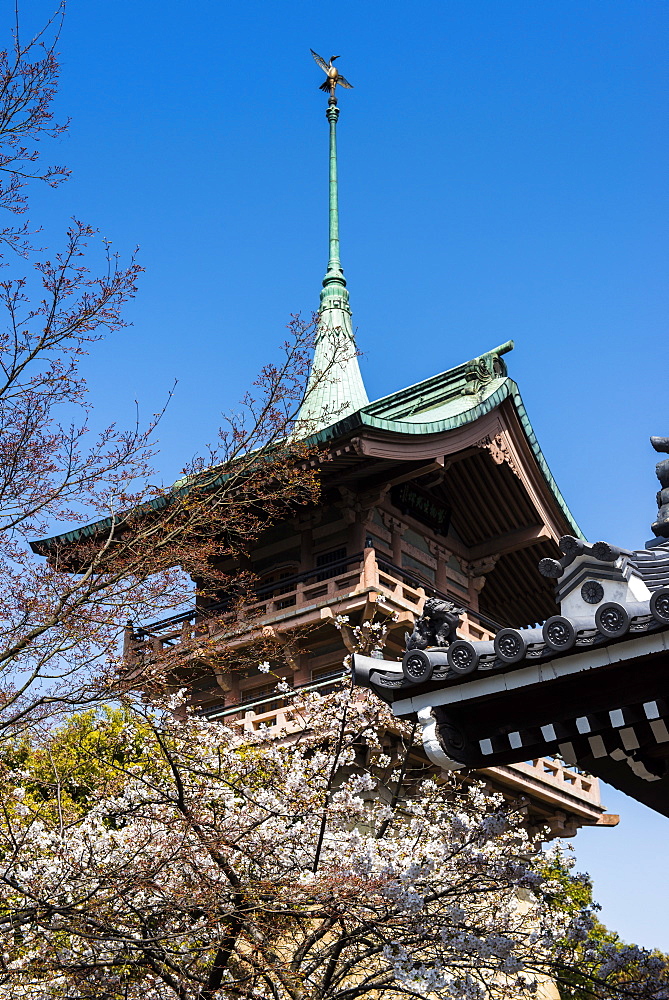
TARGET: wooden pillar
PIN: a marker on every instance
(476, 584)
(441, 580)
(129, 654)
(306, 549)
(370, 570)
(477, 572)
(358, 532)
(303, 673)
(396, 540)
(358, 511)
(229, 683)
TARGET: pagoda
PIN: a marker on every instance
(437, 492)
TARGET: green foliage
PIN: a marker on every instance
(569, 893)
(70, 767)
(575, 983)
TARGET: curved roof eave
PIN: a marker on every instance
(41, 545)
(507, 389)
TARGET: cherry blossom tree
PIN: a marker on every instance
(145, 857)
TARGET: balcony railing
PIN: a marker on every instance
(388, 569)
(331, 584)
(264, 712)
(551, 772)
(551, 780)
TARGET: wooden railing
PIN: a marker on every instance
(551, 772)
(389, 574)
(325, 585)
(265, 711)
(294, 591)
(285, 720)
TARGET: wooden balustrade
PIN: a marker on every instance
(550, 771)
(310, 590)
(550, 774)
(283, 720)
(278, 722)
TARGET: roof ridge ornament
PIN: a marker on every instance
(660, 528)
(333, 77)
(479, 372)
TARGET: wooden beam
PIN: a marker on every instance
(436, 465)
(511, 541)
(405, 472)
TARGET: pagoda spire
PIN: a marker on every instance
(334, 272)
(335, 386)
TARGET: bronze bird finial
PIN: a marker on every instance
(334, 77)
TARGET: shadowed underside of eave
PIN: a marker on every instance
(515, 592)
(489, 500)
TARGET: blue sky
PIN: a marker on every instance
(503, 175)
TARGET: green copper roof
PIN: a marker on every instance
(335, 386)
(445, 402)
